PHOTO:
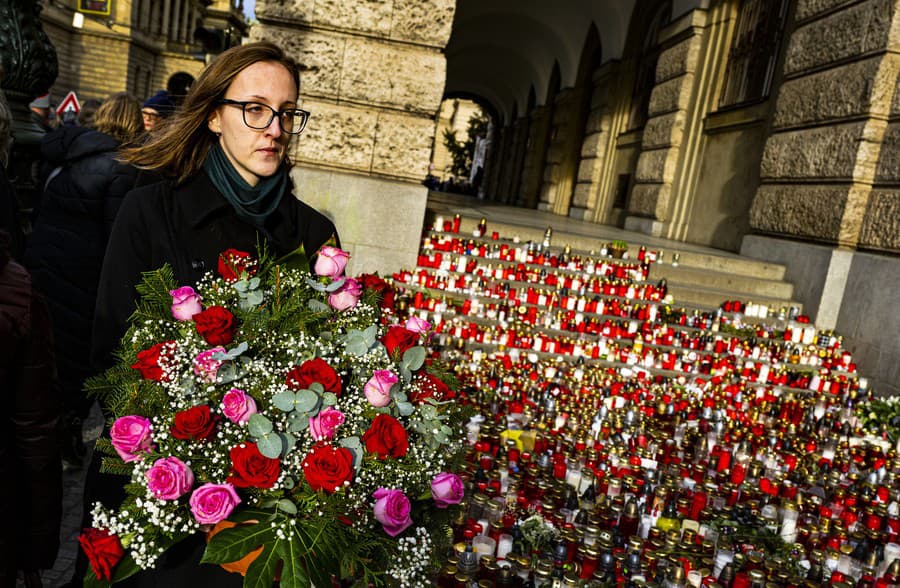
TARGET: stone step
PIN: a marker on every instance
(691, 295)
(689, 256)
(702, 278)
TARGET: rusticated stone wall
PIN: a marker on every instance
(829, 169)
(373, 81)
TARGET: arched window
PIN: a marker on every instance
(754, 52)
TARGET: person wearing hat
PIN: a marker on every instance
(40, 111)
(160, 105)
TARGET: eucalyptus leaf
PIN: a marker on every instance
(350, 442)
(285, 401)
(357, 456)
(335, 285)
(258, 425)
(289, 442)
(357, 348)
(306, 400)
(329, 399)
(317, 286)
(254, 283)
(317, 388)
(255, 298)
(405, 408)
(241, 286)
(287, 507)
(428, 412)
(288, 483)
(270, 445)
(299, 424)
(405, 373)
(318, 306)
(414, 357)
(187, 386)
(370, 334)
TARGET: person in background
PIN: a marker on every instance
(31, 497)
(64, 254)
(40, 111)
(88, 110)
(178, 86)
(156, 108)
(9, 204)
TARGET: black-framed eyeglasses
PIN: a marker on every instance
(259, 116)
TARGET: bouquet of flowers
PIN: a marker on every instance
(279, 413)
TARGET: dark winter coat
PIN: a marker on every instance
(65, 251)
(186, 227)
(31, 496)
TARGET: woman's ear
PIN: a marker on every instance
(214, 122)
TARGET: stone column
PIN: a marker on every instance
(174, 24)
(664, 132)
(599, 140)
(517, 159)
(164, 23)
(374, 80)
(561, 165)
(533, 167)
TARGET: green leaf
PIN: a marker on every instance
(317, 387)
(258, 425)
(350, 442)
(270, 445)
(298, 422)
(329, 399)
(289, 442)
(318, 306)
(414, 358)
(405, 373)
(335, 285)
(286, 506)
(306, 400)
(284, 401)
(357, 348)
(405, 408)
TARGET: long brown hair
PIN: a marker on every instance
(119, 116)
(178, 148)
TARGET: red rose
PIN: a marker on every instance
(194, 424)
(327, 468)
(148, 361)
(215, 325)
(252, 469)
(232, 262)
(386, 437)
(314, 370)
(429, 386)
(103, 550)
(398, 339)
(380, 287)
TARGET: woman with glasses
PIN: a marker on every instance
(224, 160)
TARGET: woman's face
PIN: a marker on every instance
(255, 153)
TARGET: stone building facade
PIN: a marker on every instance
(766, 127)
(137, 46)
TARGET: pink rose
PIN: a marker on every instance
(237, 406)
(447, 489)
(205, 366)
(323, 425)
(169, 478)
(185, 303)
(346, 296)
(130, 436)
(392, 510)
(417, 325)
(378, 388)
(212, 503)
(330, 262)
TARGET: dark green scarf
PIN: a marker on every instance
(254, 204)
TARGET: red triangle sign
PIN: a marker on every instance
(70, 102)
